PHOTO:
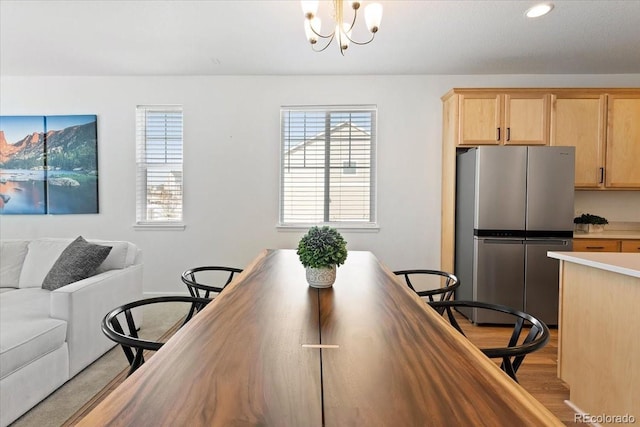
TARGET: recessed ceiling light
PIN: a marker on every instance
(538, 10)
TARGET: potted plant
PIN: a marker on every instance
(321, 250)
(589, 223)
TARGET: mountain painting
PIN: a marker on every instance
(48, 164)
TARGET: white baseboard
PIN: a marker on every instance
(164, 294)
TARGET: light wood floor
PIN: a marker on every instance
(538, 372)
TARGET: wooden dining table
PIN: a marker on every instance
(272, 351)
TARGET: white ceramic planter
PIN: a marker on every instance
(321, 277)
(590, 228)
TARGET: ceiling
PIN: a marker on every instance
(266, 37)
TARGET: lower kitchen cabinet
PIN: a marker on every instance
(605, 245)
(630, 246)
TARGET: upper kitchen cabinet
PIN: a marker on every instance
(578, 120)
(623, 141)
(526, 119)
(489, 117)
(604, 126)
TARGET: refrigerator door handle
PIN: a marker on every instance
(503, 241)
(548, 242)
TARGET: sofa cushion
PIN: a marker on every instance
(117, 258)
(12, 254)
(77, 261)
(41, 256)
(125, 256)
(23, 389)
(28, 332)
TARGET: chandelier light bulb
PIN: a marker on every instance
(311, 29)
(309, 8)
(373, 16)
(344, 35)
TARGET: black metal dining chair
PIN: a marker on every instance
(119, 326)
(199, 281)
(448, 283)
(514, 352)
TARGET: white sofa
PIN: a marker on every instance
(47, 337)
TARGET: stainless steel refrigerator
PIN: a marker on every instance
(513, 204)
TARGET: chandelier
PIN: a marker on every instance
(341, 29)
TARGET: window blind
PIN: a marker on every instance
(328, 165)
(159, 143)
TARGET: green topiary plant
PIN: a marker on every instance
(322, 247)
(587, 218)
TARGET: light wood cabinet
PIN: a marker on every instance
(479, 118)
(596, 245)
(606, 245)
(630, 246)
(605, 129)
(623, 142)
(494, 118)
(578, 120)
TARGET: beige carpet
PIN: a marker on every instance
(64, 402)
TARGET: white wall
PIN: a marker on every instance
(231, 130)
(616, 206)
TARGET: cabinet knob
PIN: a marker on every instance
(498, 134)
(508, 134)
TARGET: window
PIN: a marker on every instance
(328, 166)
(159, 164)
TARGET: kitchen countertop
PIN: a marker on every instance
(609, 234)
(624, 263)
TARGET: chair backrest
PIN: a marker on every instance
(514, 352)
(119, 326)
(198, 281)
(198, 287)
(445, 291)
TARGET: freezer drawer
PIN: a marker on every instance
(498, 276)
(541, 279)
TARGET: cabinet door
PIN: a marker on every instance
(577, 120)
(480, 119)
(623, 142)
(596, 245)
(630, 246)
(526, 119)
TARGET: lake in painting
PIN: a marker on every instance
(25, 192)
(22, 192)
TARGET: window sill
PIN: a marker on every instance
(355, 228)
(164, 226)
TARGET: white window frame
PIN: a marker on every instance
(168, 159)
(286, 143)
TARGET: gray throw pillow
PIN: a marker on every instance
(78, 261)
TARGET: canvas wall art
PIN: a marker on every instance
(48, 165)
